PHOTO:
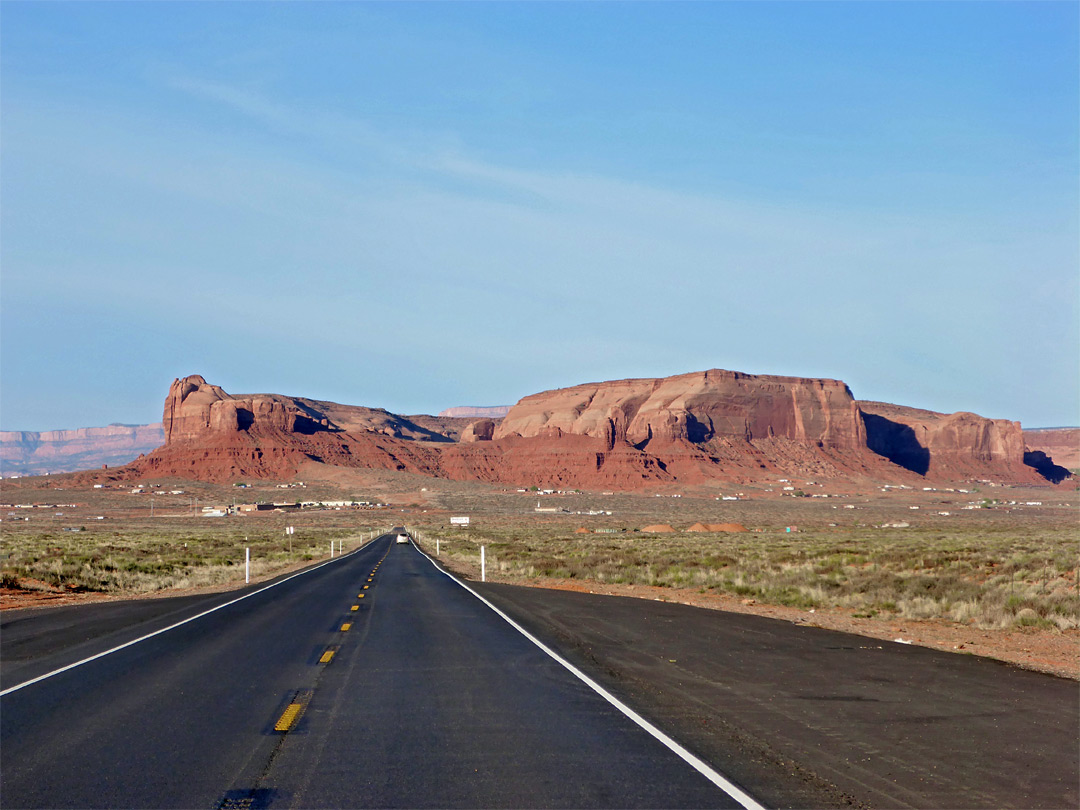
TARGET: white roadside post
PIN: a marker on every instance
(247, 565)
(483, 566)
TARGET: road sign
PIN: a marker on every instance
(459, 521)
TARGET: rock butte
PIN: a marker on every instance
(709, 426)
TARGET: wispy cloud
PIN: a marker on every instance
(323, 225)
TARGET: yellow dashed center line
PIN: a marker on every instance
(355, 607)
(366, 587)
(345, 627)
(326, 657)
(288, 717)
(359, 596)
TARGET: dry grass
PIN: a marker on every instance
(1010, 565)
(158, 559)
(989, 579)
(132, 544)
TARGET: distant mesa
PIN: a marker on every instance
(59, 451)
(1061, 445)
(700, 428)
(473, 412)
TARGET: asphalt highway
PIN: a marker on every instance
(377, 681)
(807, 717)
(371, 681)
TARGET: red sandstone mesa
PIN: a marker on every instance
(696, 407)
(692, 428)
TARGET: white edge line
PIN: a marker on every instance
(39, 678)
(698, 764)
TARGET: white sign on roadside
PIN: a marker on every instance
(459, 521)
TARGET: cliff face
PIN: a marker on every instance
(953, 445)
(195, 409)
(697, 408)
(56, 451)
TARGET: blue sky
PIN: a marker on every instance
(414, 206)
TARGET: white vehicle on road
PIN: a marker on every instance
(403, 538)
